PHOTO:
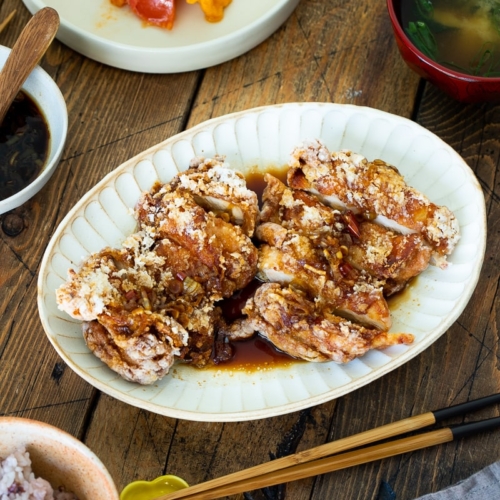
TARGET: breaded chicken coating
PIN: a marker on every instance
(220, 190)
(153, 300)
(140, 346)
(387, 255)
(348, 180)
(299, 211)
(289, 320)
(291, 258)
(116, 293)
(226, 256)
(363, 244)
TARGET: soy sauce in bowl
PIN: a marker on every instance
(24, 145)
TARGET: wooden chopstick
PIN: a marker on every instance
(383, 432)
(330, 464)
(7, 20)
(345, 460)
(290, 466)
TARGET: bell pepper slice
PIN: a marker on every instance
(158, 12)
(213, 9)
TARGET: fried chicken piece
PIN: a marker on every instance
(385, 254)
(113, 278)
(287, 256)
(153, 300)
(224, 256)
(141, 307)
(348, 180)
(299, 211)
(288, 319)
(366, 246)
(113, 293)
(135, 276)
(239, 329)
(291, 258)
(220, 190)
(139, 345)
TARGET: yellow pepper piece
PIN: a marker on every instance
(213, 9)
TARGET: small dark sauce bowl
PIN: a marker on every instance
(44, 91)
(460, 86)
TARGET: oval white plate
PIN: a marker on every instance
(115, 36)
(264, 137)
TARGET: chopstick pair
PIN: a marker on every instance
(312, 462)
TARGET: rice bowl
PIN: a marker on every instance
(54, 455)
(18, 482)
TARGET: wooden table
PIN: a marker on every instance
(328, 50)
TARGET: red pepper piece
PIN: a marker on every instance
(158, 12)
(131, 294)
(346, 270)
(352, 224)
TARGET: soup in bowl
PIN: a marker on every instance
(454, 44)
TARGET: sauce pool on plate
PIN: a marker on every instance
(255, 179)
(24, 145)
(255, 353)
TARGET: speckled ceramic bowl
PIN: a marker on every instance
(58, 457)
(45, 92)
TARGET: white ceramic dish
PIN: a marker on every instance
(45, 92)
(264, 137)
(115, 36)
(58, 457)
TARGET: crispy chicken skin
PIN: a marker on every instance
(299, 211)
(135, 311)
(113, 278)
(291, 321)
(291, 258)
(219, 190)
(306, 243)
(228, 258)
(394, 257)
(364, 245)
(140, 345)
(346, 179)
(153, 300)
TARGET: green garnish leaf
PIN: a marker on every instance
(422, 37)
(425, 7)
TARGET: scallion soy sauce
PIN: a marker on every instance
(24, 144)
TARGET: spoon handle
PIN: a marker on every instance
(29, 48)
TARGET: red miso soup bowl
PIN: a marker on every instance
(460, 86)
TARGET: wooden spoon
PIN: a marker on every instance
(29, 48)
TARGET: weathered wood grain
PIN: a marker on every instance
(112, 115)
(328, 51)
